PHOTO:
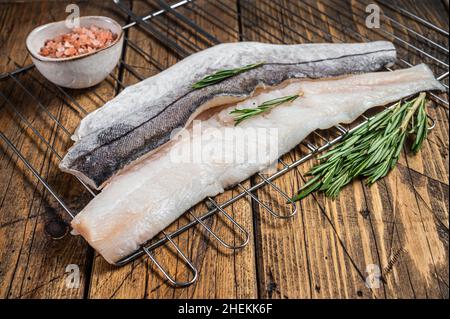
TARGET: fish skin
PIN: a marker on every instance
(149, 195)
(142, 117)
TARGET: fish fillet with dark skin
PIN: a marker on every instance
(142, 117)
(147, 189)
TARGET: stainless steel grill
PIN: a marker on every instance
(183, 37)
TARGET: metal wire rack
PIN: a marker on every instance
(171, 24)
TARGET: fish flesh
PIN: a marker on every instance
(141, 118)
(148, 195)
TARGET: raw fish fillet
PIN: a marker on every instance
(150, 194)
(142, 117)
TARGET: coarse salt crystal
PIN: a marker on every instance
(79, 41)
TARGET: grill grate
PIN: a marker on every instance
(184, 36)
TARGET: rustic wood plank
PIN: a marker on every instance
(35, 245)
(141, 279)
(327, 249)
(342, 238)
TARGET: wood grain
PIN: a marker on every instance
(399, 225)
(33, 262)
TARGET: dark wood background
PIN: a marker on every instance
(399, 224)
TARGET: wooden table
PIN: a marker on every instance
(399, 225)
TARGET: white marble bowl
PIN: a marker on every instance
(80, 71)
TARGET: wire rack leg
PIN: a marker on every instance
(288, 199)
(256, 199)
(209, 230)
(189, 264)
(235, 223)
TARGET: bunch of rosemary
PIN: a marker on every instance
(371, 150)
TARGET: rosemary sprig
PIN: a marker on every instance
(370, 151)
(243, 114)
(221, 75)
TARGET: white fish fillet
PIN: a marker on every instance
(140, 119)
(149, 195)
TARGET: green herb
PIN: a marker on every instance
(221, 75)
(371, 150)
(243, 114)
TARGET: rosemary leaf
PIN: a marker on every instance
(421, 128)
(313, 185)
(221, 75)
(243, 114)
